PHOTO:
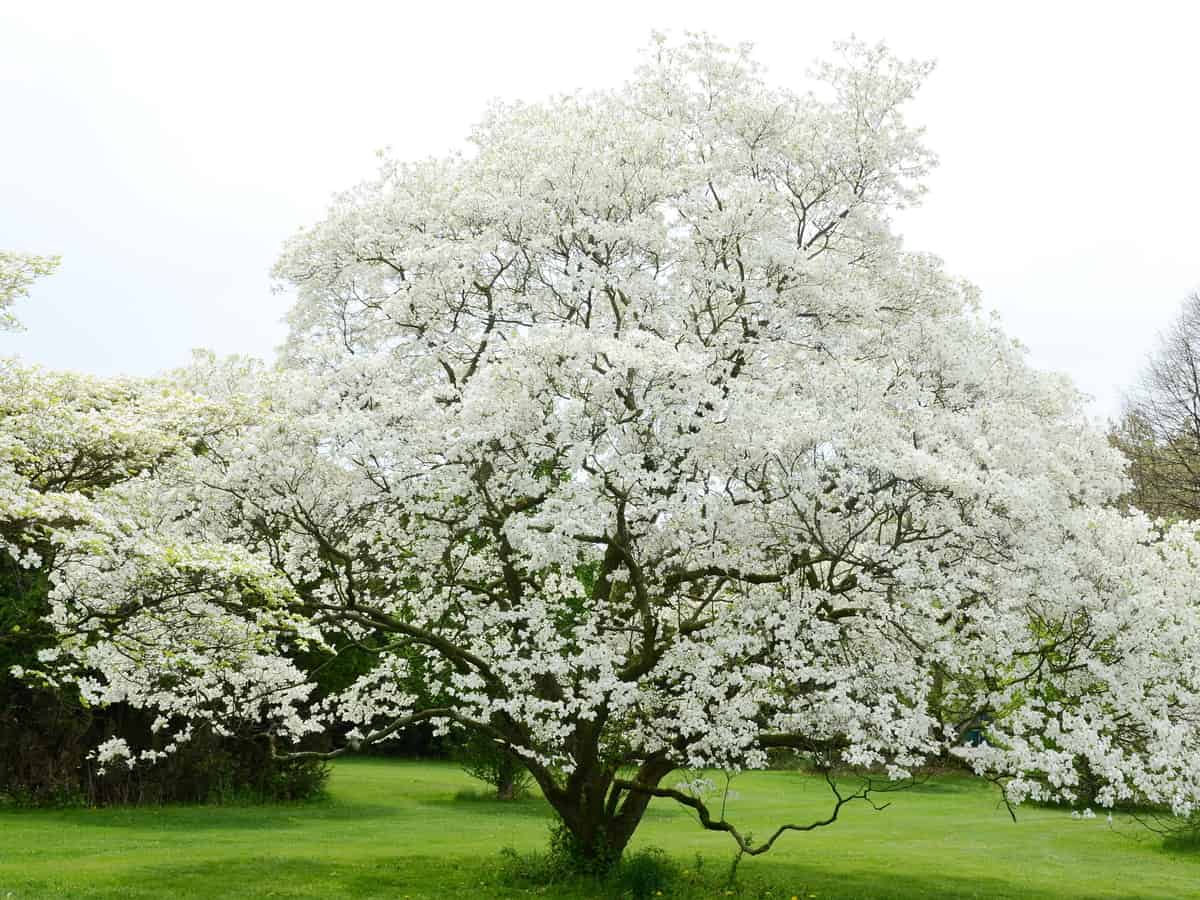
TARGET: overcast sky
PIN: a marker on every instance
(167, 154)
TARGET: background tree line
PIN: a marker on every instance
(1159, 428)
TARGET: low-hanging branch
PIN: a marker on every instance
(744, 842)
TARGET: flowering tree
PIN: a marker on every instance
(65, 437)
(65, 441)
(17, 272)
(638, 434)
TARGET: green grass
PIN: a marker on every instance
(395, 829)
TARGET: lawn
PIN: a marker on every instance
(402, 829)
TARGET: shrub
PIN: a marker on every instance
(637, 876)
(47, 734)
(645, 873)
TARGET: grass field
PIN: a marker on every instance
(398, 829)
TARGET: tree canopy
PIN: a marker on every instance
(637, 431)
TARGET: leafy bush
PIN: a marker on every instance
(532, 869)
(209, 769)
(639, 875)
(645, 873)
(46, 734)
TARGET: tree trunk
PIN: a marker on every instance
(591, 846)
(506, 781)
(599, 820)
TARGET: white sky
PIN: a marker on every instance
(166, 152)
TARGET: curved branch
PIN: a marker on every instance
(744, 842)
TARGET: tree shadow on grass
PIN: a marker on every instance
(531, 807)
(221, 817)
(1184, 849)
(956, 784)
(441, 876)
(294, 877)
(900, 887)
(831, 883)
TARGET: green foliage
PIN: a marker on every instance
(46, 734)
(532, 868)
(642, 874)
(22, 605)
(43, 732)
(210, 769)
(335, 670)
(646, 873)
(595, 859)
